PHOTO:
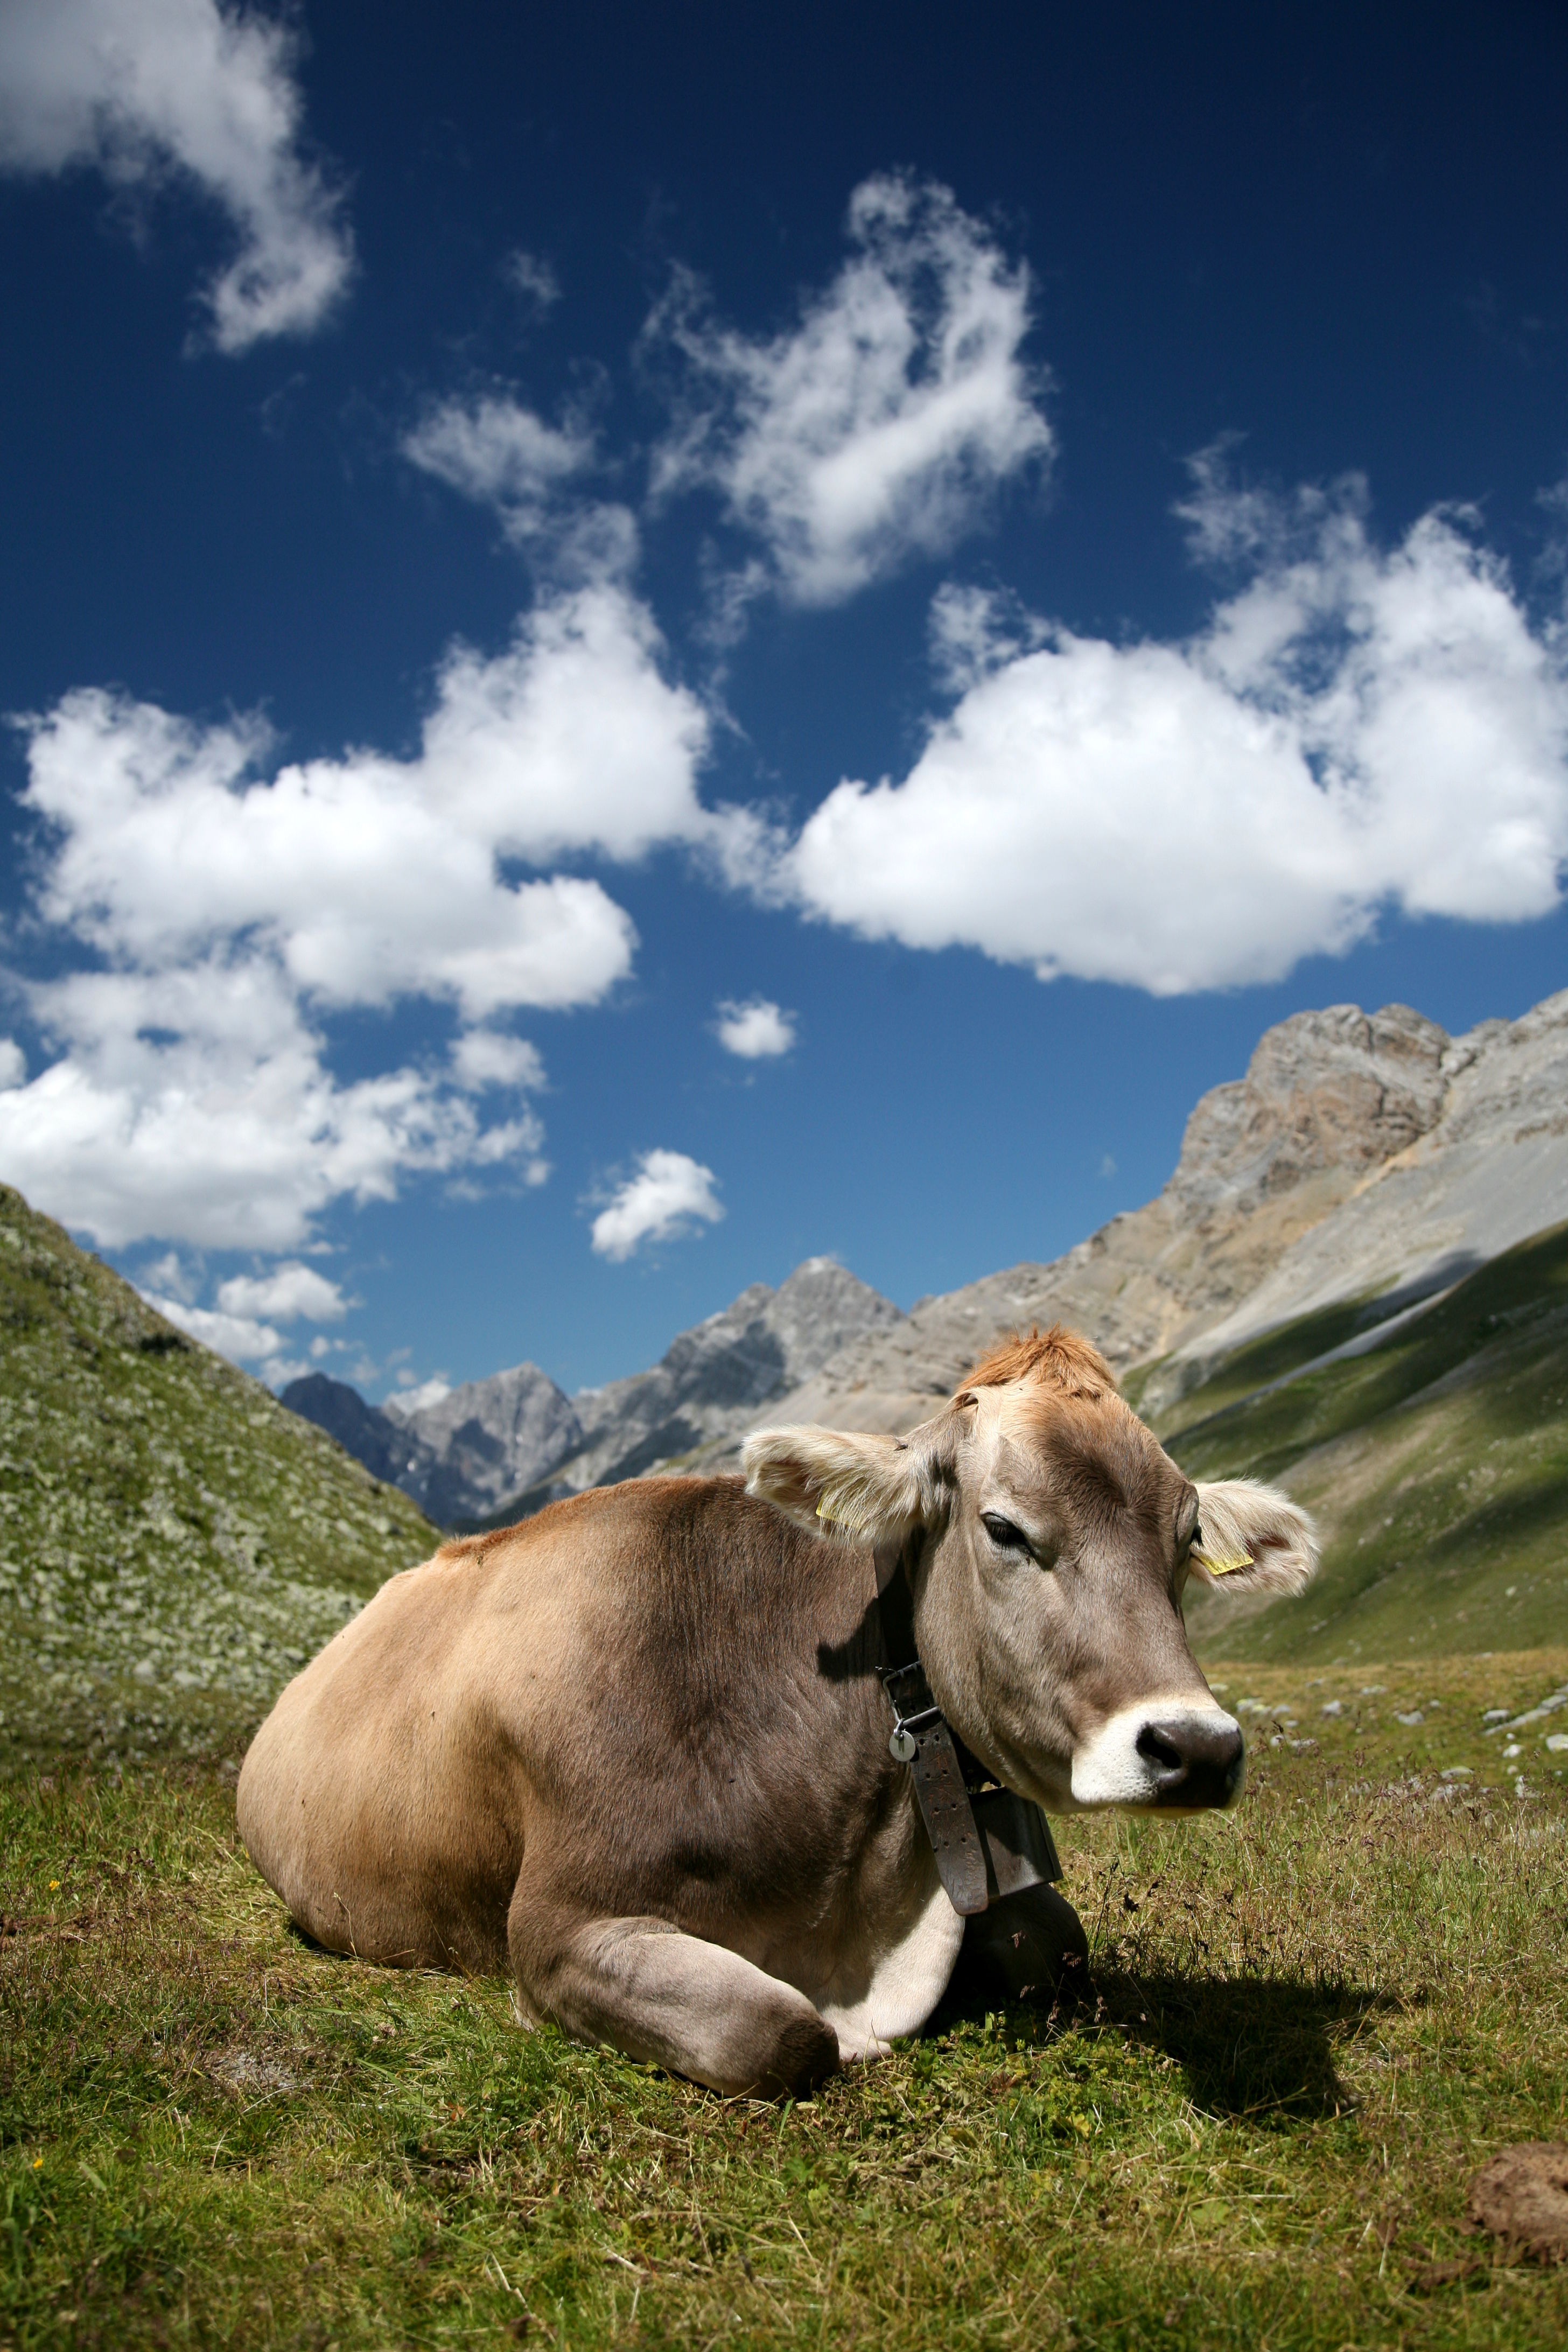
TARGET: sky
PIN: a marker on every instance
(639, 645)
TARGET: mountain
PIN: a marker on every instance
(174, 1543)
(486, 1441)
(1363, 1157)
(1352, 1281)
(1433, 1450)
(458, 1458)
(498, 1446)
(713, 1380)
(373, 1437)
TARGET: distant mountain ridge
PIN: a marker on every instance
(492, 1442)
(1363, 1165)
(1366, 1156)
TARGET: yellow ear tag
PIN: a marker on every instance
(1218, 1566)
(824, 1513)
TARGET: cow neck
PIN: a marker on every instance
(941, 1767)
(988, 1843)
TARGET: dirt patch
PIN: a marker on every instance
(1521, 2195)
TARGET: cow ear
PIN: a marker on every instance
(1252, 1538)
(872, 1490)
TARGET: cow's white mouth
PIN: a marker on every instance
(1164, 1752)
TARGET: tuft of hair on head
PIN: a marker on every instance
(1061, 1359)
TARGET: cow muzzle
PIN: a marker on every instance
(1168, 1755)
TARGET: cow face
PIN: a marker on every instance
(1049, 1538)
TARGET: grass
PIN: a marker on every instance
(1438, 1466)
(1313, 2020)
(173, 1542)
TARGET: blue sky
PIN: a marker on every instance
(644, 644)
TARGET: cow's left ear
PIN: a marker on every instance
(873, 1490)
(1252, 1538)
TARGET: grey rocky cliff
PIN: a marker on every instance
(712, 1379)
(1490, 1170)
(1362, 1155)
(516, 1439)
(488, 1440)
(388, 1451)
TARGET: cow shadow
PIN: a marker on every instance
(1257, 2045)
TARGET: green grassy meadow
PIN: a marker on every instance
(1436, 1466)
(1312, 2020)
(173, 1542)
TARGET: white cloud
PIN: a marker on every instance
(13, 1064)
(499, 454)
(486, 1057)
(235, 1336)
(287, 1294)
(407, 1401)
(755, 1030)
(193, 1099)
(134, 88)
(1354, 729)
(170, 1277)
(198, 1104)
(667, 1195)
(535, 279)
(973, 630)
(879, 425)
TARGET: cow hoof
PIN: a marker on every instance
(805, 2054)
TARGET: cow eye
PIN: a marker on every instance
(1003, 1532)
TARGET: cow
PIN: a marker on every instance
(647, 1751)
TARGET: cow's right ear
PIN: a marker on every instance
(873, 1490)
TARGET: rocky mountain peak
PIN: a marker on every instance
(820, 1309)
(1338, 1090)
(487, 1439)
(712, 1378)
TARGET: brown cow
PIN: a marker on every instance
(636, 1749)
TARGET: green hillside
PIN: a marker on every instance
(174, 1543)
(1436, 1465)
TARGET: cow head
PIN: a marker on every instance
(1048, 1537)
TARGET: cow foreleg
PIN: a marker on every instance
(656, 1993)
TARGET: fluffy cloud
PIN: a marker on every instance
(488, 1057)
(879, 425)
(228, 911)
(403, 1403)
(499, 454)
(199, 1103)
(135, 87)
(243, 1340)
(668, 1193)
(754, 1030)
(286, 1293)
(13, 1064)
(1354, 729)
(376, 878)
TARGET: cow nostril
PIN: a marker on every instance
(1195, 1760)
(1156, 1748)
